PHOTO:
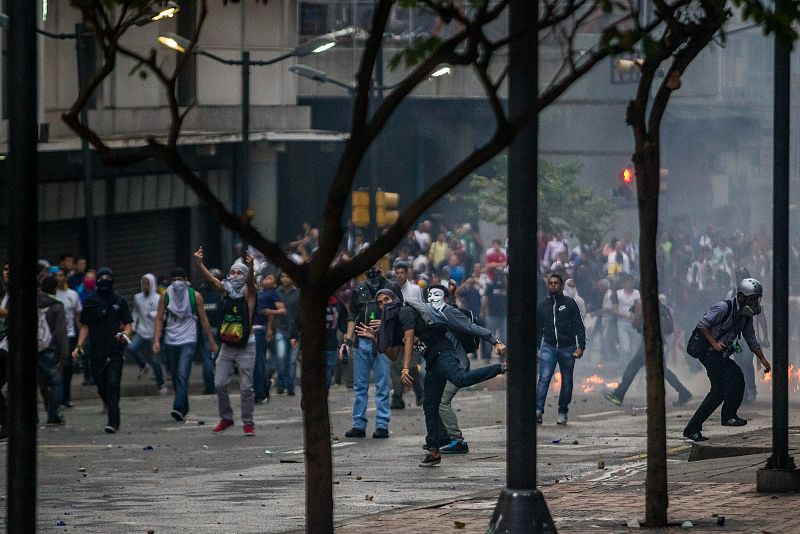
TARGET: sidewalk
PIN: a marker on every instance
(606, 501)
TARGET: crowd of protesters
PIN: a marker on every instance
(169, 323)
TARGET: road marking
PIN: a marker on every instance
(642, 456)
(334, 446)
(620, 473)
(599, 414)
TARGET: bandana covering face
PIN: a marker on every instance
(179, 304)
(436, 299)
(234, 285)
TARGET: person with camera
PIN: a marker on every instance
(366, 358)
(713, 342)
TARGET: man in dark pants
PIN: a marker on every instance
(561, 339)
(744, 359)
(106, 322)
(638, 361)
(53, 358)
(433, 329)
(722, 325)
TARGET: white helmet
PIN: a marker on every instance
(750, 287)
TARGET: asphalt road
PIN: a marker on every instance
(178, 477)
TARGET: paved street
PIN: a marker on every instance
(194, 481)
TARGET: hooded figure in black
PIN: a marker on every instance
(106, 322)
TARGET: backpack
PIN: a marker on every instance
(44, 336)
(235, 328)
(390, 333)
(698, 345)
(470, 342)
(667, 323)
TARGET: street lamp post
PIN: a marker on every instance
(521, 507)
(82, 46)
(780, 474)
(182, 44)
(23, 213)
(378, 90)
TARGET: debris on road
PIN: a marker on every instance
(632, 523)
(148, 448)
(601, 464)
(459, 525)
(686, 525)
(369, 497)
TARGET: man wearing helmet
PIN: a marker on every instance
(745, 358)
(721, 327)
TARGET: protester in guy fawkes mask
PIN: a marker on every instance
(713, 341)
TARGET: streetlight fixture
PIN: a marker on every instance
(181, 44)
(166, 10)
(377, 88)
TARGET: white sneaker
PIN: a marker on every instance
(562, 419)
(163, 390)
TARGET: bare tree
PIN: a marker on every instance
(688, 28)
(560, 23)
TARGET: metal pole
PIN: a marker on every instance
(23, 242)
(244, 172)
(374, 153)
(780, 474)
(86, 153)
(521, 507)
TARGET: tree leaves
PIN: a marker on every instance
(417, 51)
(564, 205)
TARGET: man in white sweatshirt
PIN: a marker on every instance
(144, 311)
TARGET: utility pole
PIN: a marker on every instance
(780, 475)
(23, 242)
(521, 507)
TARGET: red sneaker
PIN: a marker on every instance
(249, 430)
(222, 426)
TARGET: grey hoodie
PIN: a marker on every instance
(145, 309)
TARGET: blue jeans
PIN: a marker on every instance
(207, 357)
(443, 365)
(364, 361)
(260, 384)
(287, 361)
(331, 356)
(179, 361)
(549, 356)
(135, 349)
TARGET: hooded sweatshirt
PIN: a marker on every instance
(145, 308)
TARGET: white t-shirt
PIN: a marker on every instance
(72, 305)
(626, 301)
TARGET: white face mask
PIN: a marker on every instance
(436, 298)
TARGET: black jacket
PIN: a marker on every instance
(558, 320)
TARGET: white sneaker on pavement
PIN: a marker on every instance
(562, 419)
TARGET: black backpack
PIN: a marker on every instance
(390, 333)
(470, 342)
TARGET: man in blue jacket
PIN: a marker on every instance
(561, 338)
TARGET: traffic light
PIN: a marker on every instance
(386, 212)
(360, 200)
(627, 178)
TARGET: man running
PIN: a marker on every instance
(144, 312)
(72, 309)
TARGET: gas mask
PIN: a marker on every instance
(436, 298)
(751, 307)
(374, 278)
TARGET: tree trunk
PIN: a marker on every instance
(314, 403)
(647, 162)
